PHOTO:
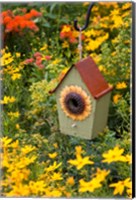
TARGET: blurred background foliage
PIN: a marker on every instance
(39, 45)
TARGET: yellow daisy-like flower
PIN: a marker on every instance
(70, 180)
(114, 155)
(120, 186)
(89, 186)
(80, 162)
(121, 85)
(52, 155)
(75, 102)
(57, 176)
(101, 174)
(116, 98)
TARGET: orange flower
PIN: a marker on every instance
(67, 32)
(16, 23)
(34, 13)
(7, 19)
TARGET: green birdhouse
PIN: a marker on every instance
(83, 98)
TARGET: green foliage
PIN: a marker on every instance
(33, 64)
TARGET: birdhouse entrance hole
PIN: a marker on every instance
(74, 103)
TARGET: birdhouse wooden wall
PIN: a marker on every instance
(85, 124)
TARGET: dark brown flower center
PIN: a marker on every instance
(74, 103)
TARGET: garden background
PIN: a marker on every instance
(39, 45)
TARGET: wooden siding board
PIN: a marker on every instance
(101, 114)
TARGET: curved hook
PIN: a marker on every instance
(87, 19)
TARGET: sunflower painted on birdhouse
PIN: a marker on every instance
(83, 98)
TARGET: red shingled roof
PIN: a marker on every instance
(91, 76)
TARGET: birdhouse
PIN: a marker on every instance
(83, 98)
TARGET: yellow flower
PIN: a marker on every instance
(129, 192)
(62, 74)
(44, 47)
(89, 186)
(17, 126)
(6, 141)
(95, 43)
(25, 161)
(80, 162)
(120, 186)
(121, 85)
(15, 144)
(8, 99)
(55, 145)
(70, 181)
(37, 187)
(13, 114)
(126, 6)
(90, 33)
(20, 190)
(6, 58)
(85, 3)
(113, 53)
(115, 12)
(78, 150)
(116, 98)
(17, 175)
(52, 155)
(102, 68)
(66, 29)
(16, 76)
(65, 44)
(101, 174)
(53, 167)
(129, 189)
(18, 55)
(56, 61)
(113, 155)
(128, 158)
(117, 22)
(27, 149)
(75, 33)
(56, 176)
(54, 193)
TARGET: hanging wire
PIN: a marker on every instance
(78, 28)
(80, 43)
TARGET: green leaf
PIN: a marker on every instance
(53, 6)
(47, 24)
(52, 16)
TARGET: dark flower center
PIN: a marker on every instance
(74, 103)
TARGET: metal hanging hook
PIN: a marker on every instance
(87, 19)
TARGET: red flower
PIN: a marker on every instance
(72, 40)
(30, 60)
(37, 54)
(38, 62)
(38, 58)
(47, 57)
(41, 66)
